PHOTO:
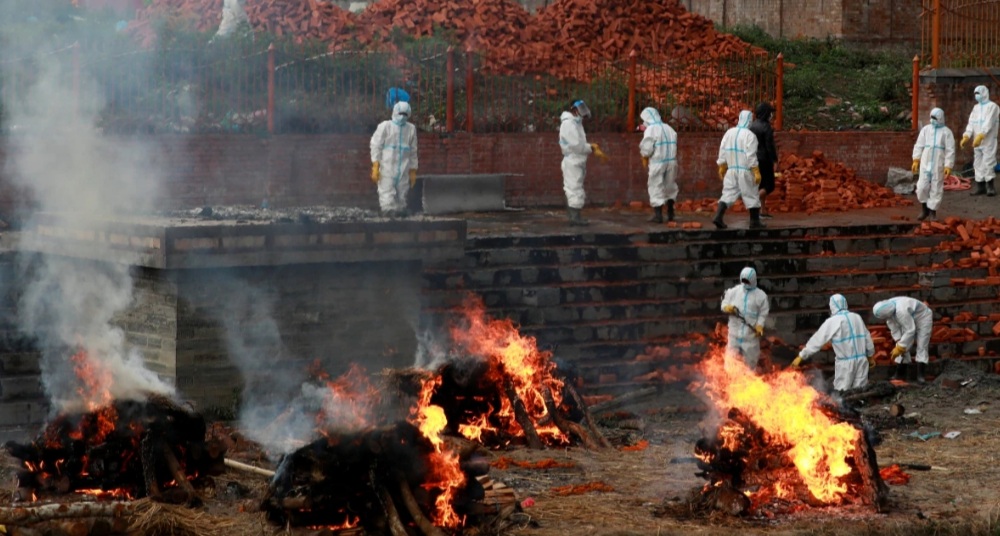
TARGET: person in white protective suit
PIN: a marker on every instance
(982, 130)
(394, 160)
(910, 323)
(747, 307)
(738, 171)
(658, 150)
(852, 346)
(575, 150)
(933, 158)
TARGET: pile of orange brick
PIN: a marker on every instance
(815, 184)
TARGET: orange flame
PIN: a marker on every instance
(350, 399)
(95, 392)
(445, 471)
(515, 357)
(785, 406)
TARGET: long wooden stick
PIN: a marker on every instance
(623, 399)
(239, 466)
(396, 527)
(416, 513)
(178, 473)
(522, 417)
(568, 427)
(595, 432)
(48, 512)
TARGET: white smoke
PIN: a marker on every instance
(66, 166)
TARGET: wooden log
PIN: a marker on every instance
(567, 426)
(587, 417)
(178, 473)
(47, 512)
(246, 468)
(424, 524)
(147, 456)
(396, 527)
(623, 400)
(521, 415)
(897, 410)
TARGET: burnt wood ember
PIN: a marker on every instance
(130, 449)
(470, 393)
(743, 463)
(376, 480)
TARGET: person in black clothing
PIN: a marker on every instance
(767, 152)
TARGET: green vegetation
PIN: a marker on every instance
(833, 86)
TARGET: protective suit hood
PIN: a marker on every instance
(884, 309)
(749, 274)
(838, 303)
(650, 116)
(400, 113)
(745, 117)
(982, 94)
(937, 117)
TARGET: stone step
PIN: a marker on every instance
(643, 251)
(578, 237)
(485, 277)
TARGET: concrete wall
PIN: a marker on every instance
(195, 325)
(882, 21)
(333, 169)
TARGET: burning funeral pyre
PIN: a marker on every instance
(150, 447)
(781, 445)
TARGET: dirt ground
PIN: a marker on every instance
(958, 495)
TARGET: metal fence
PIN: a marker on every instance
(960, 33)
(256, 88)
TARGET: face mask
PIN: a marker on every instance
(935, 122)
(981, 99)
(401, 121)
(578, 119)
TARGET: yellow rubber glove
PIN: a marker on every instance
(759, 330)
(375, 172)
(723, 168)
(897, 351)
(915, 168)
(778, 175)
(978, 140)
(797, 362)
(598, 152)
(947, 172)
(413, 177)
(729, 309)
(965, 140)
(645, 162)
(871, 362)
(756, 175)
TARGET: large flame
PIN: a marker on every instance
(95, 393)
(785, 406)
(445, 471)
(512, 357)
(349, 400)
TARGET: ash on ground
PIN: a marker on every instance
(304, 215)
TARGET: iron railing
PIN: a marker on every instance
(960, 33)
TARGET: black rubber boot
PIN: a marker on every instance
(899, 372)
(719, 213)
(575, 218)
(924, 212)
(657, 216)
(933, 215)
(979, 189)
(920, 373)
(670, 210)
(990, 190)
(755, 222)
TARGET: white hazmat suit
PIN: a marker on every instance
(852, 345)
(910, 323)
(659, 145)
(738, 170)
(748, 308)
(933, 152)
(394, 148)
(575, 149)
(983, 122)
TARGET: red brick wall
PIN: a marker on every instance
(333, 169)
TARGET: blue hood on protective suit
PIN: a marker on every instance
(650, 116)
(937, 117)
(746, 116)
(749, 278)
(884, 309)
(982, 94)
(400, 113)
(838, 303)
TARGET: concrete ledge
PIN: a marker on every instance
(165, 243)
